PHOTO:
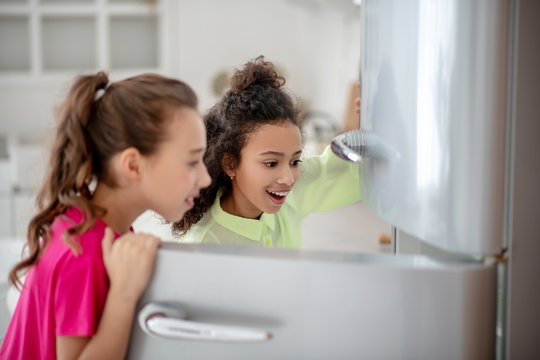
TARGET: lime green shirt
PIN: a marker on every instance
(326, 183)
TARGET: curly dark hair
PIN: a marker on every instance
(255, 98)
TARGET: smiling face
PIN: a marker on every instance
(176, 172)
(269, 167)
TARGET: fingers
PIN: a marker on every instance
(144, 241)
(137, 245)
(140, 258)
(142, 248)
(130, 261)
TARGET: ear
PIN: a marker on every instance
(131, 163)
(228, 164)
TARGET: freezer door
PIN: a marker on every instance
(434, 107)
(208, 302)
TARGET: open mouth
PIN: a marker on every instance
(190, 201)
(277, 197)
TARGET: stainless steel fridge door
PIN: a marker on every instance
(434, 101)
(207, 302)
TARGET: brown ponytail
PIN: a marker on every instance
(96, 121)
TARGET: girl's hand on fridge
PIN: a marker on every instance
(357, 101)
(129, 261)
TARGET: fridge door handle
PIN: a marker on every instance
(164, 320)
(350, 145)
(357, 144)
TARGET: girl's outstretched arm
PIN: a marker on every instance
(129, 262)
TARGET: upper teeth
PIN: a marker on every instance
(278, 193)
(190, 198)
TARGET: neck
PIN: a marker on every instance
(120, 211)
(234, 206)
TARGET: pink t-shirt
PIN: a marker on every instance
(63, 295)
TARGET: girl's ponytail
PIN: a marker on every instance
(69, 173)
(72, 152)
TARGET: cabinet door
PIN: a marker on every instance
(57, 38)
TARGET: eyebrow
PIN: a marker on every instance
(277, 153)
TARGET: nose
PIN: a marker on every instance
(204, 178)
(286, 176)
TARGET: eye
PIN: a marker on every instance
(270, 164)
(193, 164)
(295, 162)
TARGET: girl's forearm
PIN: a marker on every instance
(112, 337)
(129, 263)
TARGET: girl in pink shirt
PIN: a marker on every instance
(120, 149)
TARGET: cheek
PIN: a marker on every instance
(185, 179)
(182, 182)
(251, 178)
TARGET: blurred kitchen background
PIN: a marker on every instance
(44, 44)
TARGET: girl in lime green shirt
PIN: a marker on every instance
(261, 187)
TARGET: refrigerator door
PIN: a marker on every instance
(434, 90)
(207, 302)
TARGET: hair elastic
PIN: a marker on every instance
(100, 92)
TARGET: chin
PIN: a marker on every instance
(174, 218)
(273, 210)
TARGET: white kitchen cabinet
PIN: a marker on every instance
(43, 37)
(14, 35)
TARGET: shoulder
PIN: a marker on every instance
(84, 246)
(79, 267)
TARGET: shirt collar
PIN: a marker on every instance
(248, 228)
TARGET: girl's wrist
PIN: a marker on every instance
(124, 297)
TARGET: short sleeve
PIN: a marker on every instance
(79, 296)
(326, 183)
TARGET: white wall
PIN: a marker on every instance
(316, 43)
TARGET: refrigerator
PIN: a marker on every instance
(443, 143)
